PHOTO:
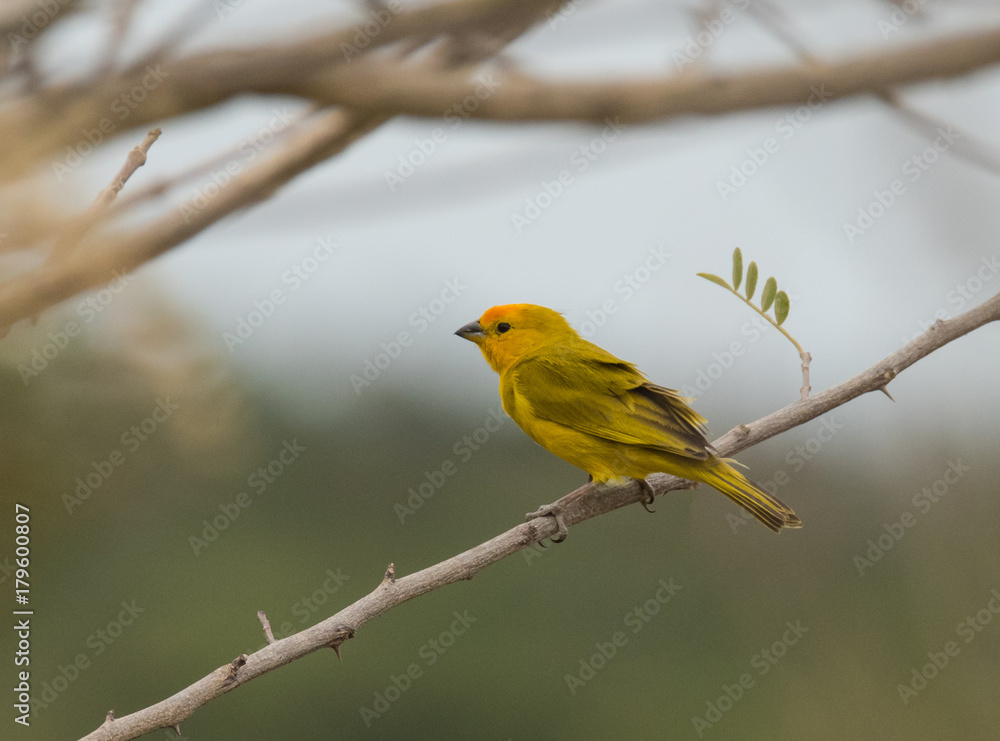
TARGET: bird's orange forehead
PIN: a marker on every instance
(506, 311)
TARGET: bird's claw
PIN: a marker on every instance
(551, 510)
(648, 489)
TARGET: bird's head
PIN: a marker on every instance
(507, 333)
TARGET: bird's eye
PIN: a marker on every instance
(503, 327)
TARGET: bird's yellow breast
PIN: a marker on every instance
(603, 459)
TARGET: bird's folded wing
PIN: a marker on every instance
(590, 390)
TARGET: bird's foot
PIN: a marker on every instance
(551, 510)
(650, 495)
(556, 510)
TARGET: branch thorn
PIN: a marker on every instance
(344, 632)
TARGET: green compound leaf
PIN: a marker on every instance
(767, 297)
(737, 268)
(781, 306)
(751, 285)
(715, 279)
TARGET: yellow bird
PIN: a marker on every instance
(602, 414)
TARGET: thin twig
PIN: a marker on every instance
(773, 322)
(804, 356)
(806, 360)
(199, 169)
(76, 229)
(268, 633)
(585, 503)
(136, 158)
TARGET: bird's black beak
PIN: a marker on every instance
(471, 331)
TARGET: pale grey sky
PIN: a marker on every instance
(626, 192)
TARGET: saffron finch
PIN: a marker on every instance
(601, 413)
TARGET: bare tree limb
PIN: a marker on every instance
(589, 501)
(387, 87)
(370, 84)
(55, 118)
(973, 150)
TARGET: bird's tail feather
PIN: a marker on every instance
(769, 510)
